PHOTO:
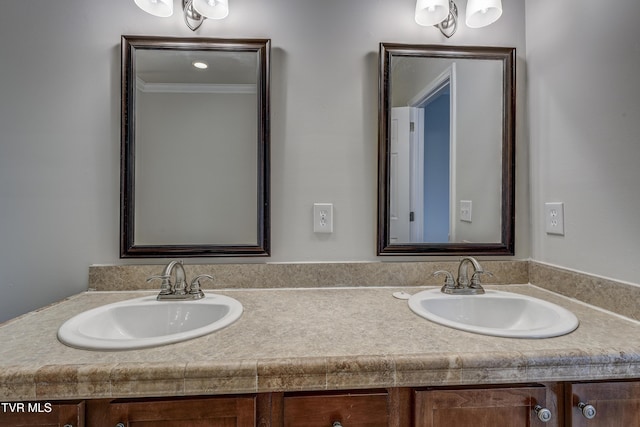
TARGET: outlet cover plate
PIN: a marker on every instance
(465, 210)
(554, 218)
(323, 217)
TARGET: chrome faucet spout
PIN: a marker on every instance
(178, 290)
(179, 287)
(463, 270)
(464, 286)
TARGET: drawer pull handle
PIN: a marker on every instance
(588, 411)
(337, 424)
(543, 414)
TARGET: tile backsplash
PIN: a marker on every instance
(304, 275)
(618, 297)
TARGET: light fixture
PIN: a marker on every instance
(212, 9)
(481, 13)
(195, 11)
(431, 12)
(161, 8)
(443, 14)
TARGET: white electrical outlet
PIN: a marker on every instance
(465, 210)
(554, 218)
(323, 217)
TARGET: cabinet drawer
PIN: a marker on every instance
(351, 410)
(483, 407)
(187, 412)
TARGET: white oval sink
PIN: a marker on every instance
(496, 313)
(146, 322)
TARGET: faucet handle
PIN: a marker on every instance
(195, 289)
(475, 278)
(165, 286)
(449, 281)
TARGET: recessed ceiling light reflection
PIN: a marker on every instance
(201, 65)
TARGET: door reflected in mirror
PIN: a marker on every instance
(195, 147)
(446, 150)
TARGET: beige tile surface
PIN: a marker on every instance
(303, 275)
(611, 295)
(309, 339)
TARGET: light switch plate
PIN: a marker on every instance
(554, 218)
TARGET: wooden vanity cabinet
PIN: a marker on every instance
(616, 404)
(175, 412)
(43, 414)
(508, 406)
(465, 406)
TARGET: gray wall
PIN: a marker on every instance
(60, 114)
(479, 115)
(189, 147)
(584, 125)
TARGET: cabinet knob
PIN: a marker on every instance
(337, 424)
(120, 425)
(543, 414)
(588, 411)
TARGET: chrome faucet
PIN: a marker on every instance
(464, 286)
(179, 290)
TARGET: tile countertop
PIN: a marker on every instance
(309, 339)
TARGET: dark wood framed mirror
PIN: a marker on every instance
(446, 156)
(194, 147)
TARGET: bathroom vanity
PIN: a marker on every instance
(356, 356)
(512, 405)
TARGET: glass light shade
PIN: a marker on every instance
(213, 9)
(481, 13)
(161, 8)
(431, 12)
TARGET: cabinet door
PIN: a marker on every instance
(42, 414)
(350, 410)
(483, 407)
(205, 412)
(616, 404)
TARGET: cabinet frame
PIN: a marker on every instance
(48, 413)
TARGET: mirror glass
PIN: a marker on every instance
(195, 147)
(446, 157)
